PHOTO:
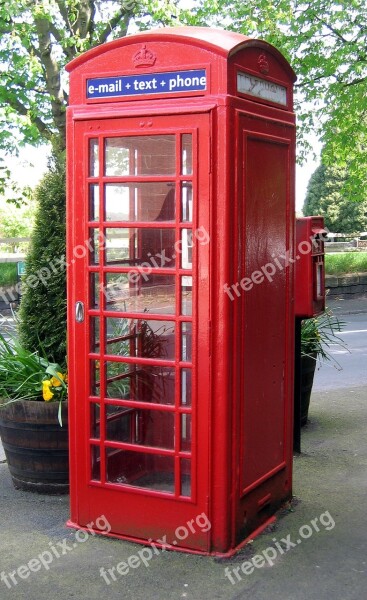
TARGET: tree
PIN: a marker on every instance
(37, 39)
(42, 323)
(326, 43)
(15, 223)
(12, 193)
(325, 196)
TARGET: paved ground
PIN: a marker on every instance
(347, 306)
(327, 525)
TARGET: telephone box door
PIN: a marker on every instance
(138, 251)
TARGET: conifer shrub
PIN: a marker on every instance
(42, 313)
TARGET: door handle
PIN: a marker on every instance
(79, 312)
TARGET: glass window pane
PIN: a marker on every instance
(186, 201)
(93, 202)
(186, 154)
(94, 330)
(149, 248)
(138, 337)
(186, 249)
(94, 239)
(185, 477)
(96, 463)
(186, 295)
(95, 421)
(140, 155)
(143, 383)
(95, 368)
(153, 201)
(186, 342)
(118, 379)
(140, 469)
(186, 433)
(93, 157)
(139, 292)
(117, 291)
(141, 427)
(94, 290)
(186, 387)
(120, 423)
(119, 202)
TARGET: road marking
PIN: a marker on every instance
(354, 331)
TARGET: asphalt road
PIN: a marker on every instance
(348, 368)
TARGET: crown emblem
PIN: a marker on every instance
(144, 57)
(263, 64)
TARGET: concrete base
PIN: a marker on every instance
(315, 550)
(2, 453)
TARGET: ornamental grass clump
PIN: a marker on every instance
(320, 333)
(25, 375)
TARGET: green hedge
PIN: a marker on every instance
(8, 274)
(43, 305)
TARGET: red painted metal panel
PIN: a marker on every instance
(309, 292)
(159, 420)
(128, 419)
(263, 294)
(182, 48)
(265, 351)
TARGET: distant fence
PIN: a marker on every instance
(339, 242)
(13, 249)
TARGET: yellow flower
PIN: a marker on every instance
(55, 382)
(46, 392)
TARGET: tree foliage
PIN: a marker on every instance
(326, 196)
(37, 39)
(16, 223)
(326, 43)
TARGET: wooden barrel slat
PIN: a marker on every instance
(36, 447)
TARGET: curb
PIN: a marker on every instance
(346, 285)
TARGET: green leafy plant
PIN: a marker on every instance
(152, 345)
(25, 375)
(319, 333)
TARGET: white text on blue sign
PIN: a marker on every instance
(154, 83)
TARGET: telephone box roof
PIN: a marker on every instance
(220, 41)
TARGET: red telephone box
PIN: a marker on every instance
(309, 289)
(181, 320)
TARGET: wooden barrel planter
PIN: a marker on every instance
(36, 447)
(308, 366)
